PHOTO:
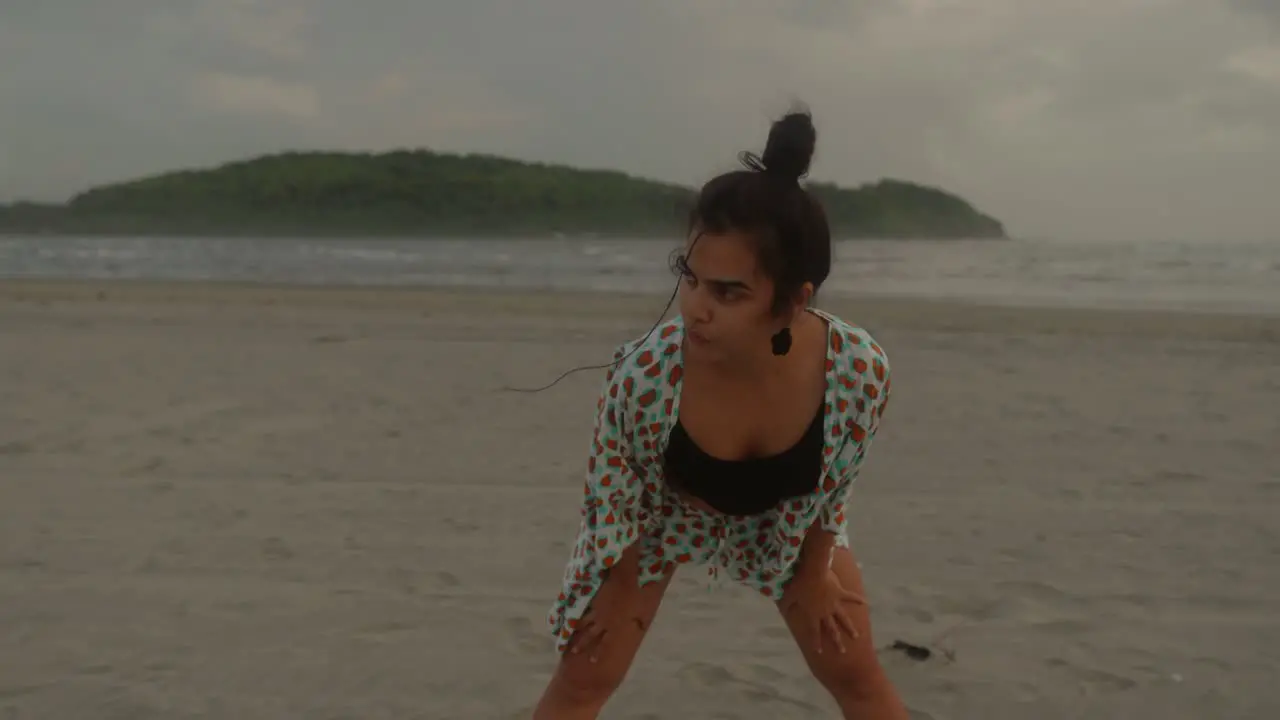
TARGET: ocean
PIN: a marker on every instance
(1208, 276)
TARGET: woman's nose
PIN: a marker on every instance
(697, 308)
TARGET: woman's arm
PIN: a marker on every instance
(610, 506)
(815, 553)
(831, 522)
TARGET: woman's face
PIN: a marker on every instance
(726, 300)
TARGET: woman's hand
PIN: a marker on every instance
(823, 606)
(607, 616)
(616, 607)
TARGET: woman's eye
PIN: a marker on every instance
(685, 272)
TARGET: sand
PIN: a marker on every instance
(244, 503)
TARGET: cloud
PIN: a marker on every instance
(1262, 9)
(1143, 118)
(254, 95)
(1260, 63)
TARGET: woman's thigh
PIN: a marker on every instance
(859, 661)
(600, 666)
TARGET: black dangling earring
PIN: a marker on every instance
(781, 341)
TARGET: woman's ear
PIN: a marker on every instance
(799, 302)
(804, 298)
(795, 311)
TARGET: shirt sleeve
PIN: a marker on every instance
(611, 504)
(874, 390)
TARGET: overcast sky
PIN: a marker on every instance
(1065, 118)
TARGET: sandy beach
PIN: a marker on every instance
(267, 503)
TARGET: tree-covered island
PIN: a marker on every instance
(423, 194)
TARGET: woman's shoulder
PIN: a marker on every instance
(664, 339)
(852, 341)
(649, 365)
(859, 363)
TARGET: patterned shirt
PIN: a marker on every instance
(625, 498)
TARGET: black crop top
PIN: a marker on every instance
(745, 487)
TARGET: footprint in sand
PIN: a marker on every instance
(17, 691)
(155, 463)
(383, 630)
(15, 448)
(460, 526)
(1092, 680)
(716, 677)
(764, 673)
(707, 675)
(1039, 592)
(776, 633)
(179, 418)
(919, 615)
(275, 548)
(529, 640)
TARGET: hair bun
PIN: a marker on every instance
(789, 150)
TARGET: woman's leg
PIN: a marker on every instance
(584, 682)
(855, 679)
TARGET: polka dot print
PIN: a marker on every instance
(626, 501)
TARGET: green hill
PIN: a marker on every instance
(423, 193)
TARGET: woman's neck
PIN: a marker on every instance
(747, 370)
(761, 365)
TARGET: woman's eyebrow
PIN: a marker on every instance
(728, 283)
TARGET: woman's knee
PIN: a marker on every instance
(582, 682)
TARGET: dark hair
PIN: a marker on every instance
(766, 201)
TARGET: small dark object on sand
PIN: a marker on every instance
(915, 652)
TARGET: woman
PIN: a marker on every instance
(729, 438)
